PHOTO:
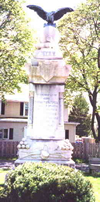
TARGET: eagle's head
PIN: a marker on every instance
(50, 17)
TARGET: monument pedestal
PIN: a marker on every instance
(46, 150)
(45, 139)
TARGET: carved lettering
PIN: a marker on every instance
(46, 108)
(48, 53)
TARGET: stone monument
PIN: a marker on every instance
(45, 136)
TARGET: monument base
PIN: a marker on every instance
(45, 150)
(70, 163)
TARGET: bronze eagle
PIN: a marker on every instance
(52, 16)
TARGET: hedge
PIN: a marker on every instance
(45, 182)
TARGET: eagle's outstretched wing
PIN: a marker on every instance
(60, 12)
(39, 11)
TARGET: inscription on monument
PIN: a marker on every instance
(46, 112)
(48, 53)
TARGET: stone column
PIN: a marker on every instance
(61, 109)
(30, 110)
(47, 112)
(31, 104)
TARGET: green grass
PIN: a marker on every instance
(3, 173)
(95, 180)
(77, 160)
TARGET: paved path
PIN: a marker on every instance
(6, 164)
(83, 167)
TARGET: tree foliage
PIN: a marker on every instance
(16, 43)
(80, 114)
(80, 43)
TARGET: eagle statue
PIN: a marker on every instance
(52, 16)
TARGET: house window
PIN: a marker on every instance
(23, 109)
(2, 108)
(6, 134)
(26, 109)
(11, 134)
(0, 134)
(66, 134)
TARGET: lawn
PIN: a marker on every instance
(3, 172)
(95, 180)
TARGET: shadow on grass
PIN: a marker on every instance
(2, 170)
(94, 175)
(8, 158)
(1, 186)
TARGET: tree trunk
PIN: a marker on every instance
(98, 122)
(92, 125)
(93, 101)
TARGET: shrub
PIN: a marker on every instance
(37, 182)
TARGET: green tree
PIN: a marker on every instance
(16, 44)
(80, 43)
(80, 114)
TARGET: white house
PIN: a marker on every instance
(14, 117)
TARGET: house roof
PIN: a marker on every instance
(71, 123)
(26, 120)
(16, 120)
